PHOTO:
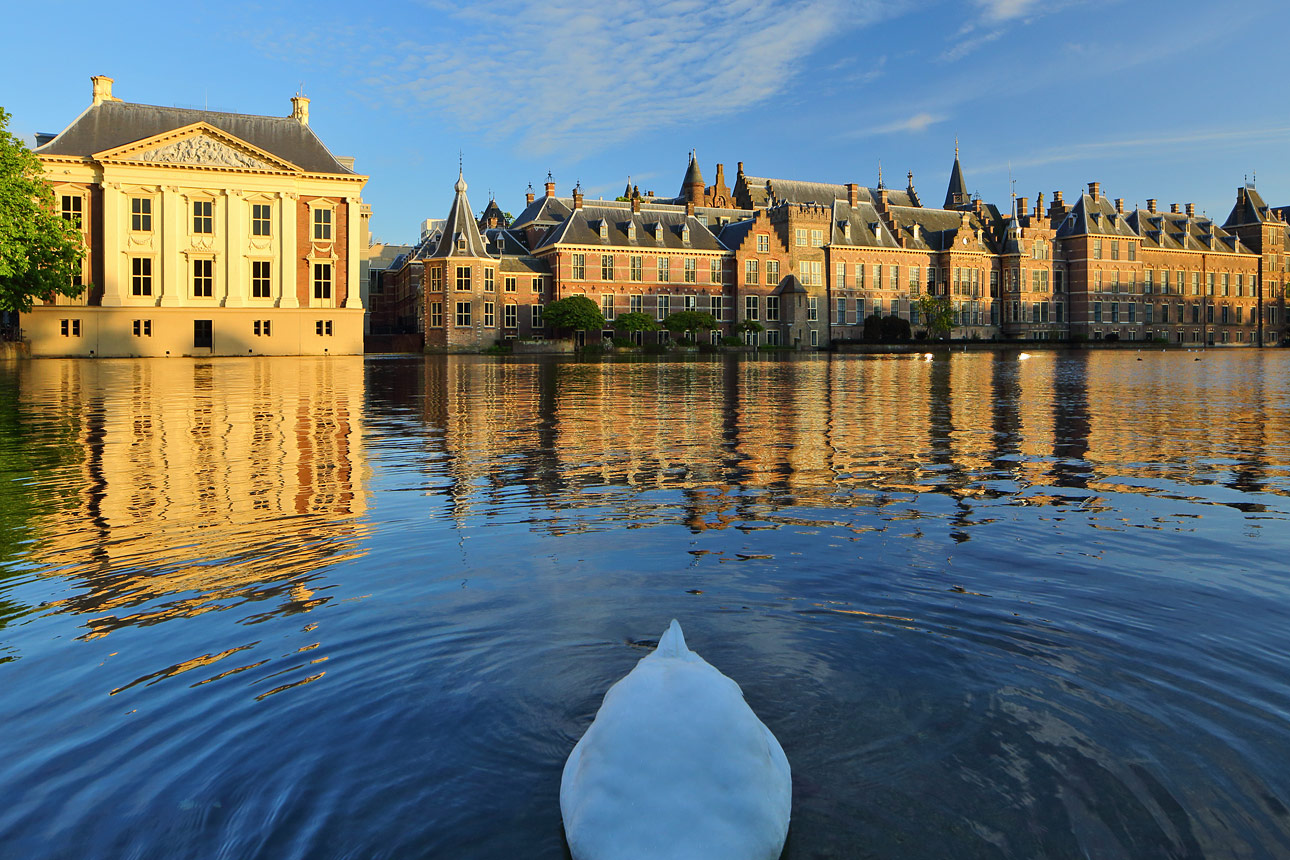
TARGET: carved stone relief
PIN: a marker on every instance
(206, 151)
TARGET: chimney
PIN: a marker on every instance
(577, 196)
(102, 89)
(741, 169)
(689, 208)
(636, 203)
(1039, 206)
(550, 186)
(1191, 210)
(1151, 205)
(1058, 207)
(882, 199)
(1173, 208)
(1095, 190)
(853, 194)
(528, 196)
(1023, 206)
(300, 109)
(1119, 205)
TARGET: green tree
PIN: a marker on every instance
(39, 251)
(689, 322)
(937, 314)
(749, 325)
(576, 313)
(636, 321)
(895, 329)
(873, 328)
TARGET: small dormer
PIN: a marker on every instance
(604, 230)
(685, 232)
(461, 242)
(917, 230)
(631, 231)
(846, 229)
(656, 230)
(875, 227)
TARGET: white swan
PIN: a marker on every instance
(927, 356)
(676, 766)
(1023, 356)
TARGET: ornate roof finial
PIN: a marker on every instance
(549, 177)
(880, 185)
(956, 147)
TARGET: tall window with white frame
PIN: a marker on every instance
(664, 306)
(141, 214)
(322, 224)
(203, 279)
(579, 263)
(510, 316)
(607, 267)
(463, 314)
(715, 274)
(322, 282)
(607, 307)
(261, 279)
(261, 219)
(72, 208)
(691, 270)
(664, 269)
(203, 217)
(463, 279)
(141, 276)
(636, 268)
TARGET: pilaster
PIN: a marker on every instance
(171, 282)
(287, 269)
(113, 244)
(353, 291)
(235, 232)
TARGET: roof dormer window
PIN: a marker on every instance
(461, 241)
(685, 232)
(604, 230)
(631, 230)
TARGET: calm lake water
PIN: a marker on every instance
(348, 608)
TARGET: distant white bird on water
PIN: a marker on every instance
(676, 766)
(927, 356)
(1023, 356)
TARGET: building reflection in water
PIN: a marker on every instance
(201, 485)
(741, 438)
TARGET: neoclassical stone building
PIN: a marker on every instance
(207, 233)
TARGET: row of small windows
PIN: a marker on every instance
(203, 278)
(203, 212)
(202, 329)
(464, 313)
(636, 269)
(464, 280)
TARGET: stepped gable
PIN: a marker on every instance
(732, 235)
(461, 236)
(655, 226)
(112, 124)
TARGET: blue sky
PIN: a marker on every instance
(1178, 101)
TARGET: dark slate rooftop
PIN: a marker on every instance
(654, 227)
(460, 225)
(1096, 218)
(114, 123)
(1249, 208)
(1175, 231)
(762, 191)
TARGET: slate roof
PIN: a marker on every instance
(731, 236)
(1096, 218)
(956, 194)
(692, 175)
(582, 227)
(460, 224)
(762, 191)
(790, 285)
(513, 255)
(112, 124)
(495, 211)
(937, 228)
(1249, 209)
(1175, 231)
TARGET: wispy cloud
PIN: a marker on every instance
(997, 11)
(559, 74)
(914, 124)
(1104, 150)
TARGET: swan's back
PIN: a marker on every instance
(676, 766)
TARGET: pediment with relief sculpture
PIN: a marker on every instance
(199, 145)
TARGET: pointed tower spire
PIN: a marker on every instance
(957, 194)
